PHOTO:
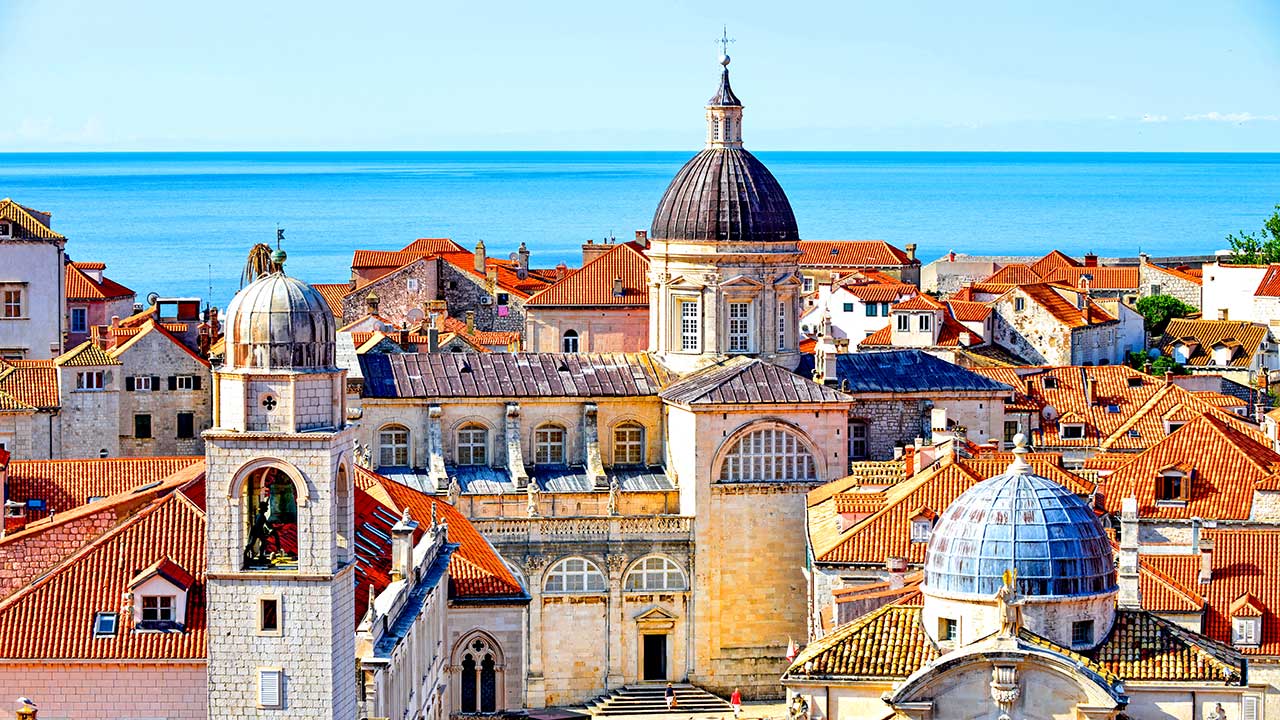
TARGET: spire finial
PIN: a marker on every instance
(278, 257)
(1019, 464)
(724, 41)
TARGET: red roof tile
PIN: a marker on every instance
(1053, 260)
(918, 302)
(80, 286)
(33, 222)
(1181, 272)
(969, 311)
(1109, 277)
(1066, 311)
(30, 383)
(67, 484)
(1244, 561)
(1014, 274)
(593, 285)
(1270, 285)
(160, 329)
(1243, 337)
(433, 246)
(851, 253)
(333, 294)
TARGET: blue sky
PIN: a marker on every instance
(849, 75)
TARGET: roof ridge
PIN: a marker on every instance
(1169, 582)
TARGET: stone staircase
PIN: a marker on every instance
(650, 699)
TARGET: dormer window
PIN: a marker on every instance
(1171, 426)
(921, 528)
(1072, 431)
(1246, 621)
(1051, 383)
(1173, 486)
(1222, 354)
(6, 229)
(160, 596)
(157, 608)
(1181, 353)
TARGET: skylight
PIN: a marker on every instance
(104, 624)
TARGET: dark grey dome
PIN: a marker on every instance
(725, 194)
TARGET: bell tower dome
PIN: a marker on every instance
(280, 508)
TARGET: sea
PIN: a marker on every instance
(180, 224)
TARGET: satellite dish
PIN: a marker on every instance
(152, 298)
(1153, 353)
(1049, 412)
(513, 257)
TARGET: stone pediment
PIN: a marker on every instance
(655, 618)
(741, 281)
(685, 283)
(787, 279)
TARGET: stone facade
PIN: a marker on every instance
(896, 420)
(88, 422)
(26, 561)
(162, 361)
(35, 266)
(399, 293)
(495, 308)
(1040, 338)
(603, 329)
(1153, 280)
(110, 690)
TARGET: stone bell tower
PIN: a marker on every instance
(280, 509)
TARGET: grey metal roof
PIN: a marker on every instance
(724, 96)
(748, 380)
(511, 375)
(1019, 521)
(907, 371)
(485, 480)
(725, 194)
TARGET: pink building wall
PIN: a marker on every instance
(109, 690)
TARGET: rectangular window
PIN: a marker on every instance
(948, 629)
(5, 229)
(848, 307)
(1051, 383)
(104, 624)
(920, 530)
(186, 425)
(269, 682)
(142, 426)
(157, 608)
(884, 309)
(628, 445)
(808, 284)
(739, 327)
(926, 323)
(1072, 432)
(91, 380)
(1249, 707)
(548, 446)
(1010, 429)
(411, 285)
(689, 331)
(473, 445)
(141, 383)
(904, 323)
(1082, 633)
(184, 382)
(782, 325)
(269, 615)
(857, 440)
(13, 303)
(1019, 304)
(79, 320)
(1174, 487)
(503, 298)
(872, 309)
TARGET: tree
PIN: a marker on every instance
(1158, 310)
(1164, 364)
(258, 263)
(1259, 249)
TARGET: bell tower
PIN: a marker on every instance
(280, 509)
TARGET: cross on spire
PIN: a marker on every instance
(724, 41)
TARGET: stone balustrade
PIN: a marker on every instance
(673, 527)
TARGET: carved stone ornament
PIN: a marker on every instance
(616, 562)
(535, 563)
(1004, 686)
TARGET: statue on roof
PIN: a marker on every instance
(455, 491)
(1010, 605)
(615, 492)
(531, 499)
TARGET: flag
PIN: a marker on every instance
(791, 649)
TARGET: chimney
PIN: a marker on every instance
(642, 238)
(1168, 377)
(911, 252)
(951, 256)
(402, 547)
(522, 261)
(1223, 314)
(1206, 562)
(480, 257)
(371, 301)
(591, 251)
(617, 287)
(1144, 259)
(1196, 524)
(897, 452)
(1091, 388)
(965, 339)
(562, 272)
(1090, 260)
(27, 711)
(1146, 367)
(897, 569)
(433, 337)
(1130, 592)
(471, 321)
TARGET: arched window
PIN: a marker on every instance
(393, 446)
(271, 514)
(574, 575)
(768, 455)
(656, 573)
(473, 445)
(480, 675)
(628, 444)
(548, 445)
(569, 343)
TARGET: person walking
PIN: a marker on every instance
(736, 701)
(670, 697)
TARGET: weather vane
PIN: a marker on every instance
(724, 40)
(279, 236)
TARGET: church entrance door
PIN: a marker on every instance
(655, 657)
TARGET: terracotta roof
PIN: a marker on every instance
(918, 302)
(33, 222)
(29, 384)
(1243, 337)
(1182, 272)
(969, 311)
(1247, 606)
(948, 335)
(433, 246)
(593, 284)
(506, 272)
(159, 329)
(1143, 646)
(86, 354)
(748, 380)
(1217, 399)
(887, 533)
(1014, 274)
(885, 643)
(1244, 561)
(1225, 467)
(490, 338)
(1270, 284)
(386, 259)
(67, 484)
(1066, 311)
(851, 253)
(1108, 277)
(95, 579)
(1162, 593)
(333, 294)
(876, 292)
(512, 375)
(1053, 260)
(79, 285)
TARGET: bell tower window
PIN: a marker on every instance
(271, 513)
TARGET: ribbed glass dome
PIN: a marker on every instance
(279, 322)
(1026, 522)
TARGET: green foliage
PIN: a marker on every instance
(1137, 359)
(1158, 310)
(1259, 249)
(1164, 364)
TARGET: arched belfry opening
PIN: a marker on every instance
(270, 504)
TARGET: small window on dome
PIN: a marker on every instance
(948, 629)
(1082, 633)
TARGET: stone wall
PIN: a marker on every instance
(89, 421)
(22, 562)
(603, 329)
(174, 690)
(26, 435)
(402, 290)
(891, 423)
(154, 355)
(503, 626)
(1154, 281)
(464, 291)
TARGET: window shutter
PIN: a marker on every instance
(269, 688)
(173, 382)
(195, 382)
(1249, 708)
(155, 382)
(128, 383)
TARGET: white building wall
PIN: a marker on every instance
(35, 267)
(1231, 288)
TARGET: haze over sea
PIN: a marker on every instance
(178, 223)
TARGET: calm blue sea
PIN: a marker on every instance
(178, 223)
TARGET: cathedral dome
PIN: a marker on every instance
(279, 323)
(1020, 521)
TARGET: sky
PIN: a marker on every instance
(1139, 75)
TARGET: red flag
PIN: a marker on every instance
(791, 649)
